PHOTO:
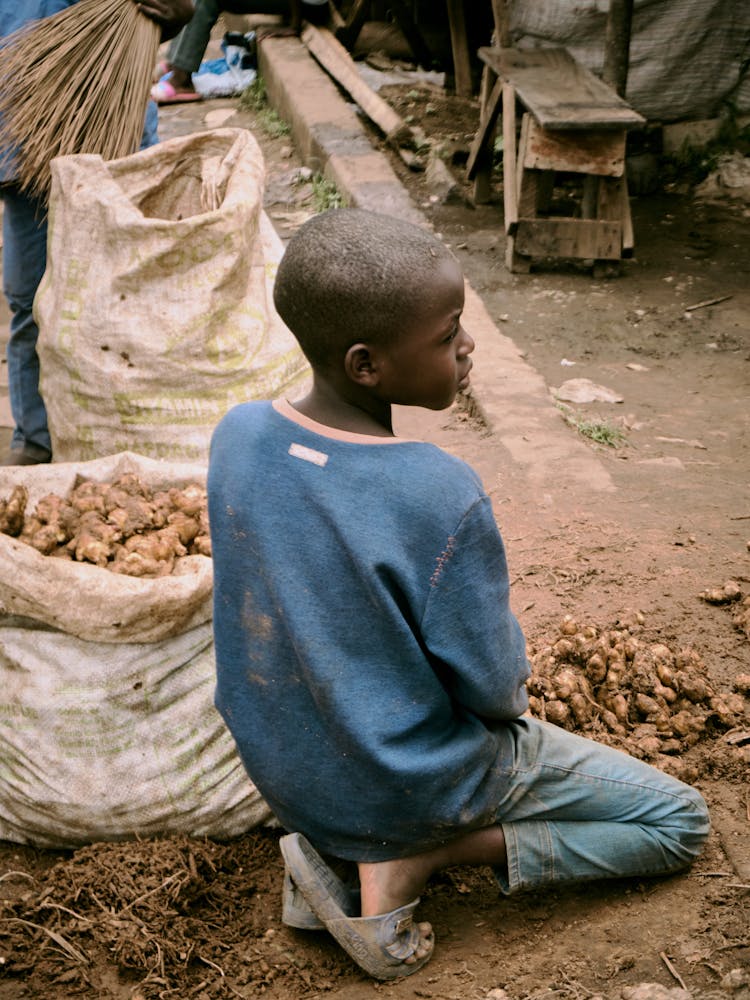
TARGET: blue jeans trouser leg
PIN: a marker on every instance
(579, 810)
(24, 263)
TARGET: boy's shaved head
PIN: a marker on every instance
(348, 276)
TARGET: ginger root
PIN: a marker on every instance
(120, 526)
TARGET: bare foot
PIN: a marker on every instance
(386, 885)
(181, 80)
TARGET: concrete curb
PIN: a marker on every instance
(510, 397)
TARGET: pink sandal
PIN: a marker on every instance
(165, 92)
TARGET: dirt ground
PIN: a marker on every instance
(180, 918)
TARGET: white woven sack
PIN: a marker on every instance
(156, 312)
(107, 723)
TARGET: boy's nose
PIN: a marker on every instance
(467, 344)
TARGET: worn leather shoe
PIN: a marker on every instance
(28, 455)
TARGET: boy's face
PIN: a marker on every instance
(429, 362)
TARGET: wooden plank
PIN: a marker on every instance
(613, 204)
(482, 171)
(617, 45)
(628, 236)
(460, 48)
(334, 58)
(515, 263)
(502, 23)
(559, 92)
(487, 121)
(526, 180)
(510, 181)
(295, 16)
(577, 151)
(584, 239)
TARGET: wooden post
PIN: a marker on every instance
(502, 23)
(481, 154)
(617, 45)
(296, 16)
(460, 46)
(510, 163)
(402, 13)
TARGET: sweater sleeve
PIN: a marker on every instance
(475, 643)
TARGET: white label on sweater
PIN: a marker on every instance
(308, 454)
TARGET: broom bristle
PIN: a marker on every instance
(76, 82)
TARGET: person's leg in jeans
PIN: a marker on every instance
(579, 810)
(24, 263)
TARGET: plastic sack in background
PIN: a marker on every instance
(156, 312)
(107, 724)
(234, 72)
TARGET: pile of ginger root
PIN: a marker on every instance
(731, 596)
(121, 526)
(616, 686)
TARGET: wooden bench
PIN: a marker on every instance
(573, 123)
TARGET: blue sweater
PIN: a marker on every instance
(366, 653)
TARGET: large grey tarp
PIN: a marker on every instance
(688, 58)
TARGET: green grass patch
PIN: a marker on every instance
(325, 194)
(255, 100)
(598, 431)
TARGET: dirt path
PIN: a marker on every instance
(666, 515)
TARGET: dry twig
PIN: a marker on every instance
(707, 302)
(15, 874)
(66, 946)
(673, 971)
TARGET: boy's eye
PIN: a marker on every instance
(452, 335)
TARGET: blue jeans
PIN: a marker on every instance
(24, 263)
(579, 810)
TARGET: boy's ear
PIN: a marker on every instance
(360, 365)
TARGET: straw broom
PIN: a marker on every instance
(76, 82)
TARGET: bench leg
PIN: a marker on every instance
(515, 262)
(519, 184)
(483, 170)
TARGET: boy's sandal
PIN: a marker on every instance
(165, 92)
(379, 945)
(297, 912)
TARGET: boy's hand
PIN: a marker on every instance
(171, 15)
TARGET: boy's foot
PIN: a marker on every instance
(175, 87)
(387, 946)
(388, 884)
